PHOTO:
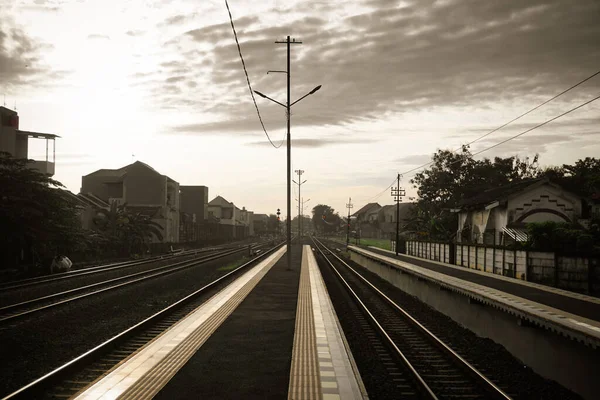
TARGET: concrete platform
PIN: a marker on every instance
(572, 325)
(322, 364)
(556, 344)
(271, 333)
(143, 375)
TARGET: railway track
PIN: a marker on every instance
(73, 376)
(26, 283)
(12, 312)
(422, 366)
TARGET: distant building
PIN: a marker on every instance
(194, 201)
(386, 217)
(500, 214)
(234, 223)
(366, 220)
(143, 190)
(193, 216)
(16, 142)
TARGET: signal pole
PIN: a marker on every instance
(278, 220)
(397, 194)
(299, 172)
(348, 206)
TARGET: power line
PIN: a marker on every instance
(503, 141)
(248, 79)
(512, 120)
(535, 108)
(539, 125)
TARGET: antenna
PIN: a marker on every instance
(15, 105)
(4, 99)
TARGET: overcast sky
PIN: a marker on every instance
(162, 82)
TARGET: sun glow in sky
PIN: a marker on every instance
(161, 82)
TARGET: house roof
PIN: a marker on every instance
(37, 135)
(502, 193)
(120, 172)
(405, 209)
(93, 200)
(220, 201)
(365, 208)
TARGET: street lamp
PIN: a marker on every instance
(289, 153)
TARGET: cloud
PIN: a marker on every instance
(313, 143)
(397, 59)
(135, 33)
(416, 159)
(97, 36)
(21, 59)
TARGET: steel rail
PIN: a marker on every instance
(11, 312)
(39, 386)
(486, 384)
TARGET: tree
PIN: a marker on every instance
(456, 176)
(273, 224)
(133, 230)
(37, 219)
(325, 219)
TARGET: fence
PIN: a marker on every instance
(577, 273)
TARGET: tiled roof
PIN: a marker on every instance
(499, 193)
(365, 208)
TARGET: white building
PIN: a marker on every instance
(504, 212)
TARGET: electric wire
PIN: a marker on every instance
(248, 79)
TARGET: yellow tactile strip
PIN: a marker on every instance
(143, 375)
(305, 383)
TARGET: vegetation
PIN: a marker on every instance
(325, 220)
(38, 220)
(131, 231)
(233, 265)
(456, 176)
(381, 243)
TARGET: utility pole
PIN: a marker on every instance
(299, 183)
(397, 194)
(348, 206)
(287, 106)
(289, 159)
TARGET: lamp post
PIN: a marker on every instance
(287, 106)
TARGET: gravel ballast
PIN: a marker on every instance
(487, 356)
(34, 346)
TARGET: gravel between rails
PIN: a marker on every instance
(34, 346)
(8, 297)
(370, 366)
(492, 359)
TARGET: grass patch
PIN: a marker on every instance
(233, 265)
(385, 244)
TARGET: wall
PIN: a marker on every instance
(572, 364)
(8, 133)
(21, 146)
(579, 274)
(145, 187)
(545, 197)
(194, 200)
(94, 183)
